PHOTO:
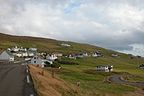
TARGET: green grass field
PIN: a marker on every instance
(93, 83)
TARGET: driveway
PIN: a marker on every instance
(117, 79)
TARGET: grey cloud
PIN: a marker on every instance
(113, 24)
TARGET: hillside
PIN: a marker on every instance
(46, 45)
(83, 69)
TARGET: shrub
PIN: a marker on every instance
(68, 62)
(55, 64)
(47, 64)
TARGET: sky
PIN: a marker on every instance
(112, 24)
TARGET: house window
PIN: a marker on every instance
(34, 61)
(34, 57)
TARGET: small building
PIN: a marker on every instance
(25, 54)
(85, 54)
(94, 55)
(97, 54)
(33, 49)
(104, 68)
(81, 55)
(36, 60)
(9, 49)
(18, 54)
(72, 56)
(58, 54)
(66, 45)
(30, 54)
(23, 49)
(114, 55)
(141, 66)
(6, 56)
(51, 57)
(15, 49)
(76, 55)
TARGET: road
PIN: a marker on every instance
(117, 79)
(13, 81)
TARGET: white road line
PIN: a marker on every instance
(31, 95)
(28, 80)
(27, 67)
(27, 71)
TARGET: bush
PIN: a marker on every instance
(55, 65)
(68, 62)
(47, 64)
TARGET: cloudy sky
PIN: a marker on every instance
(114, 24)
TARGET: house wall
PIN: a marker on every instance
(105, 69)
(36, 61)
(6, 56)
(51, 57)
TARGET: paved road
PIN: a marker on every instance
(117, 79)
(13, 81)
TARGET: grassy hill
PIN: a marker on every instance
(43, 44)
(48, 45)
(92, 82)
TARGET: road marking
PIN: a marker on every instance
(28, 80)
(27, 67)
(31, 95)
(27, 71)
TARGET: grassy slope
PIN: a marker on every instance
(91, 83)
(48, 45)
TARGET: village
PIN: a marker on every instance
(43, 59)
(97, 67)
(32, 56)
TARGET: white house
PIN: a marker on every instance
(30, 54)
(97, 54)
(94, 55)
(58, 54)
(104, 68)
(85, 54)
(114, 55)
(6, 56)
(18, 54)
(32, 49)
(51, 57)
(23, 49)
(36, 60)
(66, 45)
(72, 56)
(8, 49)
(24, 54)
(15, 49)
